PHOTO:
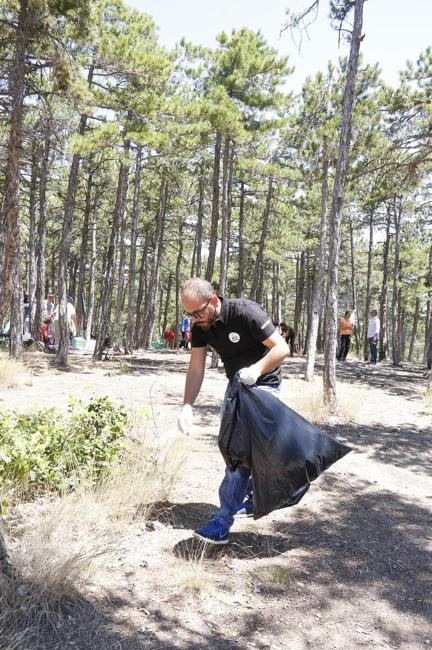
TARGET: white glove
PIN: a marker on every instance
(185, 420)
(248, 376)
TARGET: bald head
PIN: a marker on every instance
(198, 288)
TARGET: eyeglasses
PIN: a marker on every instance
(198, 313)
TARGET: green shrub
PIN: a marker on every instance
(48, 449)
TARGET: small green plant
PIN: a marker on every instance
(47, 449)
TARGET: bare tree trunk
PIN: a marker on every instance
(10, 284)
(225, 209)
(153, 285)
(92, 278)
(414, 329)
(354, 287)
(63, 344)
(215, 209)
(123, 226)
(329, 374)
(132, 258)
(257, 290)
(197, 255)
(308, 302)
(240, 283)
(383, 342)
(396, 346)
(41, 233)
(80, 303)
(427, 350)
(108, 276)
(142, 291)
(300, 284)
(368, 287)
(167, 303)
(177, 286)
(32, 235)
(319, 276)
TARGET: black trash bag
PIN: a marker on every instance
(284, 451)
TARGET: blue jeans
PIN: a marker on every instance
(237, 484)
(373, 344)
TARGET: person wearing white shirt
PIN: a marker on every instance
(373, 334)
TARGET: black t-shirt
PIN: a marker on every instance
(237, 337)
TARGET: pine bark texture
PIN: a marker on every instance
(319, 277)
(330, 341)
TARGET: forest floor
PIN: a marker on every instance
(349, 567)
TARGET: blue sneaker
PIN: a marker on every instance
(213, 533)
(247, 509)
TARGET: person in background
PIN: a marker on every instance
(49, 305)
(169, 337)
(373, 334)
(185, 333)
(345, 329)
(288, 334)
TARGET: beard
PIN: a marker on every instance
(207, 324)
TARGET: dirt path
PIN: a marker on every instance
(349, 567)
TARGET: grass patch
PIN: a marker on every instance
(276, 574)
(62, 542)
(12, 372)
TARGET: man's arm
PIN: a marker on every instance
(278, 351)
(195, 374)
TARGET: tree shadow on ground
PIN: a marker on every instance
(403, 382)
(71, 623)
(366, 538)
(402, 446)
(182, 515)
(242, 546)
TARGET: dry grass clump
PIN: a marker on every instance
(12, 372)
(277, 574)
(307, 399)
(428, 394)
(61, 543)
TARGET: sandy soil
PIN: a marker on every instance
(349, 567)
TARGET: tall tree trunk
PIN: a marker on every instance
(10, 284)
(142, 291)
(177, 286)
(414, 329)
(80, 303)
(257, 290)
(329, 374)
(427, 350)
(132, 258)
(224, 229)
(92, 278)
(63, 344)
(241, 262)
(215, 209)
(229, 199)
(108, 276)
(354, 288)
(396, 344)
(300, 285)
(383, 341)
(41, 233)
(319, 275)
(368, 287)
(167, 303)
(308, 302)
(123, 227)
(32, 235)
(197, 259)
(153, 284)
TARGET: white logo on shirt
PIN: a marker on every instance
(234, 337)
